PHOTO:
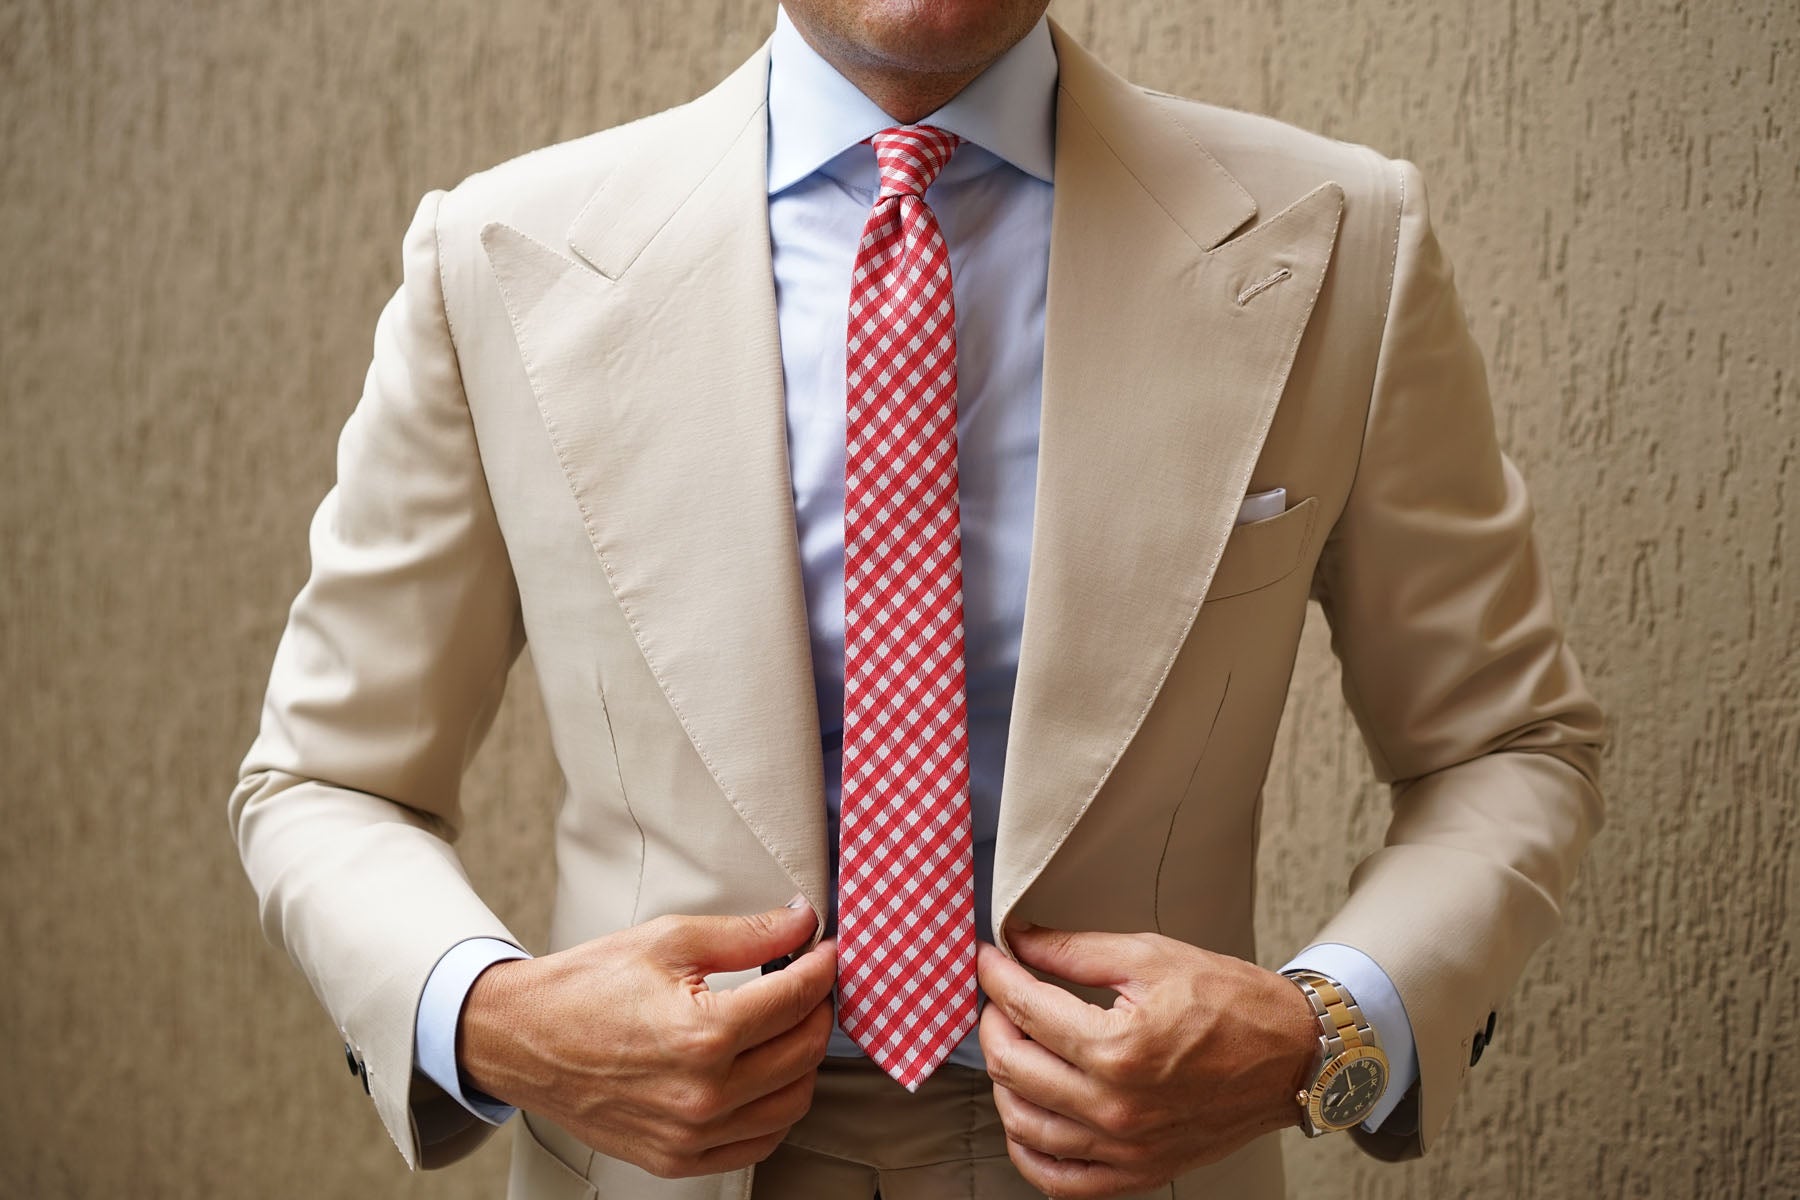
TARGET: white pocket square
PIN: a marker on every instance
(1260, 506)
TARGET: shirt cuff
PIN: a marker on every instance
(440, 1008)
(1374, 993)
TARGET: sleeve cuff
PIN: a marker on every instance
(1374, 993)
(440, 1008)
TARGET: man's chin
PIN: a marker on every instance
(925, 37)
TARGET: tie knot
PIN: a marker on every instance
(910, 157)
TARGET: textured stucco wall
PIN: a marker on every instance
(200, 206)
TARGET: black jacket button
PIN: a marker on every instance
(1481, 1040)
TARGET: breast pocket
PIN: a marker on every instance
(1263, 552)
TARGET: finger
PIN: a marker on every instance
(1074, 1178)
(731, 1156)
(780, 1060)
(751, 1133)
(770, 1113)
(1030, 1071)
(1054, 1134)
(1119, 961)
(695, 947)
(738, 1154)
(1065, 1023)
(772, 1004)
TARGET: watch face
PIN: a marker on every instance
(1350, 1096)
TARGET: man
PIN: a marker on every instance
(910, 463)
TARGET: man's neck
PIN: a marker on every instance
(908, 98)
(906, 95)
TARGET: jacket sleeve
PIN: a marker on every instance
(1454, 665)
(388, 674)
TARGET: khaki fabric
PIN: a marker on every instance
(945, 1143)
(866, 1136)
(557, 445)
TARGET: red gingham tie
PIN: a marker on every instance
(906, 860)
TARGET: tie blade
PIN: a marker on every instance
(906, 950)
(909, 1025)
(908, 1054)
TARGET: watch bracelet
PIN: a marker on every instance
(1326, 994)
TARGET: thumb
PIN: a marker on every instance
(1110, 960)
(702, 945)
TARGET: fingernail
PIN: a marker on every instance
(799, 901)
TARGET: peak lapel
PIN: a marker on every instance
(1166, 351)
(657, 370)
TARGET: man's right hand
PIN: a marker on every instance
(620, 1041)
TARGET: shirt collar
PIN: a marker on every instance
(815, 113)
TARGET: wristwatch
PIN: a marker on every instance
(1352, 1070)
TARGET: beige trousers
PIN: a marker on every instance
(866, 1136)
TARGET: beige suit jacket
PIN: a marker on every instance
(573, 436)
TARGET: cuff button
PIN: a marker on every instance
(1480, 1041)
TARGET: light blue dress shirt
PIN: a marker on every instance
(993, 203)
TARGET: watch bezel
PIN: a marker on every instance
(1313, 1100)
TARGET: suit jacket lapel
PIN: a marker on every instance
(1166, 351)
(657, 371)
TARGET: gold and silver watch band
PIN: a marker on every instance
(1352, 1067)
(1341, 1023)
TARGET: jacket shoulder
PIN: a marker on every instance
(1278, 163)
(540, 192)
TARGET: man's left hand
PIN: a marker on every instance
(1199, 1054)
